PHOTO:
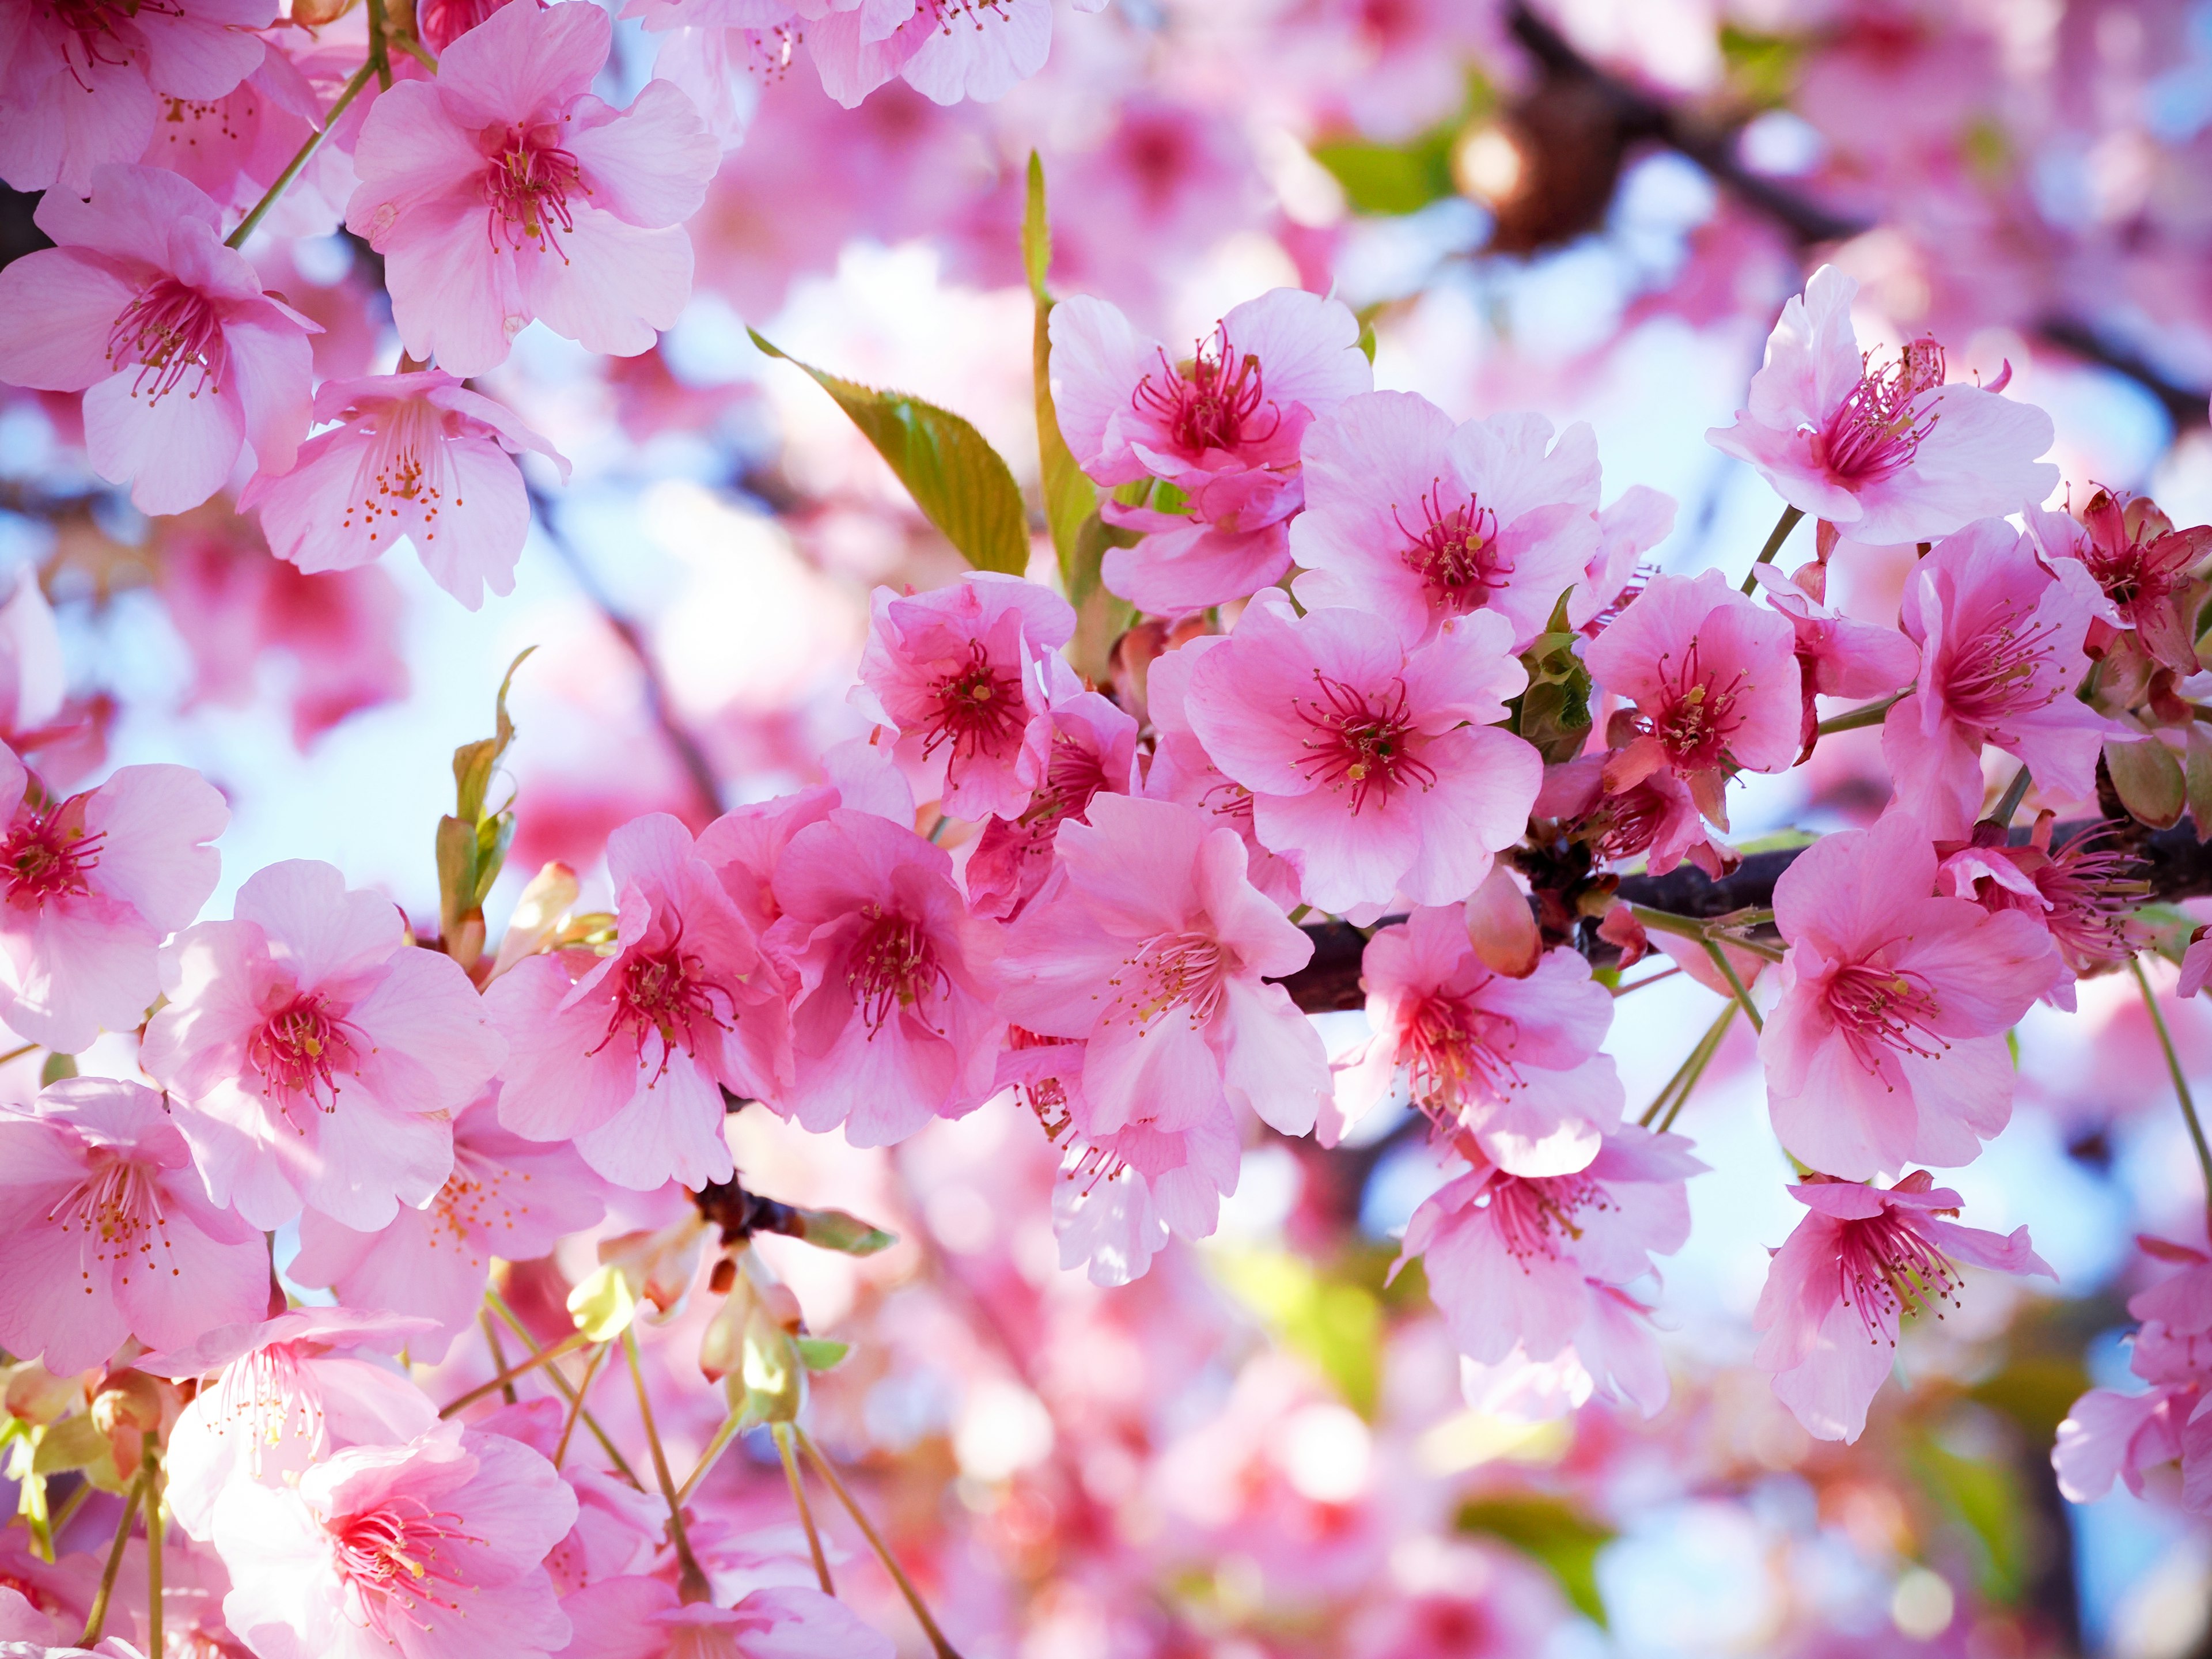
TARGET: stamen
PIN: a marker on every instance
(1458, 1053)
(394, 1556)
(1455, 553)
(527, 186)
(1535, 1214)
(301, 1049)
(118, 1208)
(894, 966)
(1359, 743)
(48, 854)
(1889, 1269)
(980, 708)
(169, 332)
(1877, 1007)
(1876, 431)
(1208, 402)
(1168, 971)
(668, 995)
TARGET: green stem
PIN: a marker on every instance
(2008, 803)
(1623, 989)
(576, 1404)
(1866, 714)
(1687, 1073)
(1782, 526)
(1711, 1047)
(782, 1433)
(725, 1431)
(379, 50)
(260, 210)
(943, 1649)
(17, 1053)
(504, 1383)
(1735, 983)
(574, 1396)
(97, 1619)
(1666, 922)
(690, 1582)
(152, 1453)
(2180, 1082)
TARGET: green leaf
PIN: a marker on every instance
(1986, 1499)
(1392, 178)
(1036, 233)
(471, 844)
(1334, 1322)
(473, 761)
(1553, 713)
(833, 1230)
(58, 1067)
(1764, 67)
(1069, 498)
(961, 483)
(818, 1353)
(1551, 1531)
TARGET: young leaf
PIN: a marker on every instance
(473, 761)
(818, 1353)
(472, 843)
(833, 1230)
(1069, 498)
(1552, 1532)
(1554, 714)
(961, 483)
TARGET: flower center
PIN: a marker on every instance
(979, 707)
(92, 23)
(47, 854)
(1695, 714)
(1890, 1269)
(168, 331)
(271, 1397)
(1537, 1215)
(394, 468)
(527, 186)
(894, 966)
(1208, 402)
(1074, 772)
(668, 995)
(1455, 552)
(394, 1556)
(1457, 1050)
(470, 1204)
(119, 1211)
(1876, 430)
(1878, 1007)
(1993, 676)
(302, 1048)
(1168, 971)
(1360, 744)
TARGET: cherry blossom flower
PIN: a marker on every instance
(182, 358)
(508, 1198)
(963, 675)
(2000, 636)
(638, 1618)
(1655, 818)
(83, 85)
(444, 21)
(1151, 944)
(2109, 1435)
(1838, 656)
(1862, 1258)
(2144, 568)
(290, 1389)
(1887, 1042)
(945, 50)
(1377, 765)
(1511, 1259)
(2196, 965)
(93, 885)
(1420, 521)
(628, 1054)
(619, 1527)
(1093, 750)
(1515, 1061)
(1716, 685)
(415, 455)
(1888, 453)
(432, 1548)
(314, 1055)
(1182, 770)
(2083, 893)
(1612, 1355)
(108, 1233)
(892, 1017)
(583, 229)
(1223, 428)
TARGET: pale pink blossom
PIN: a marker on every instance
(183, 361)
(1613, 1355)
(507, 1198)
(618, 1529)
(432, 1549)
(1886, 1045)
(1716, 685)
(1222, 427)
(639, 1618)
(1634, 525)
(1887, 453)
(2195, 966)
(108, 1233)
(1421, 522)
(1151, 944)
(1182, 770)
(2109, 1435)
(314, 1054)
(2000, 635)
(234, 146)
(416, 456)
(965, 675)
(629, 1055)
(1862, 1258)
(33, 679)
(1514, 1061)
(83, 85)
(1378, 765)
(1511, 1259)
(1838, 656)
(89, 887)
(893, 1019)
(444, 21)
(291, 1390)
(945, 50)
(506, 191)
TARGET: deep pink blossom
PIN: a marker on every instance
(1887, 1044)
(89, 887)
(946, 50)
(964, 675)
(1223, 426)
(505, 191)
(182, 358)
(1655, 818)
(639, 1618)
(2000, 635)
(2143, 567)
(1860, 1259)
(1889, 453)
(1182, 770)
(2084, 893)
(1716, 685)
(108, 1233)
(892, 1018)
(1377, 765)
(1838, 656)
(1421, 522)
(1511, 1259)
(289, 1390)
(508, 1198)
(81, 85)
(628, 1054)
(1151, 944)
(1515, 1061)
(314, 1054)
(619, 1527)
(1093, 750)
(418, 456)
(432, 1549)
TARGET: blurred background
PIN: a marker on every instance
(1592, 209)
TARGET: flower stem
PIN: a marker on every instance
(504, 1383)
(1670, 1098)
(2008, 803)
(152, 1453)
(17, 1053)
(692, 1582)
(292, 168)
(1866, 714)
(725, 1432)
(1782, 526)
(1735, 983)
(782, 1433)
(97, 1619)
(576, 1404)
(2180, 1081)
(943, 1649)
(575, 1396)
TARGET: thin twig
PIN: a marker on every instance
(97, 1619)
(1735, 982)
(1866, 714)
(1706, 1050)
(260, 209)
(504, 1383)
(1782, 526)
(943, 1649)
(781, 1432)
(576, 1404)
(2016, 791)
(691, 1581)
(2180, 1081)
(514, 1322)
(725, 1432)
(1686, 1072)
(17, 1053)
(150, 1449)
